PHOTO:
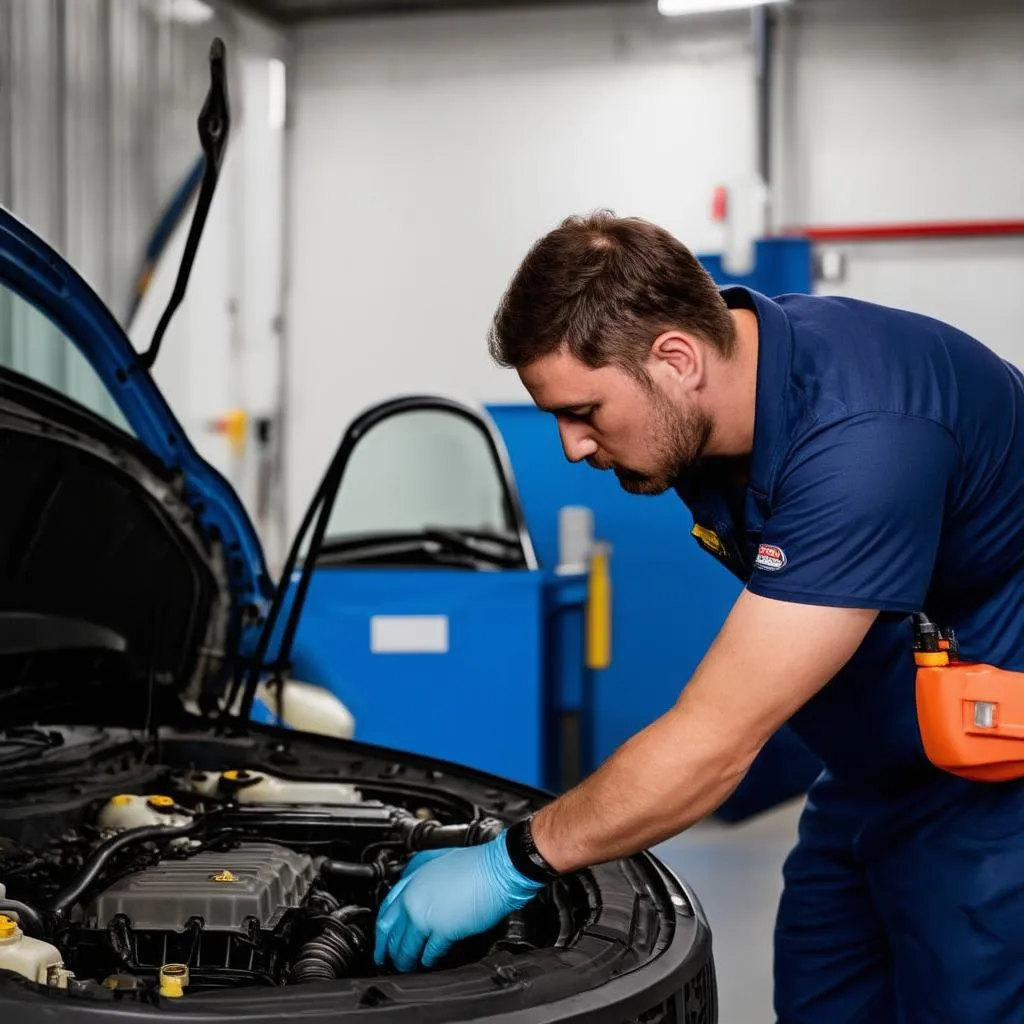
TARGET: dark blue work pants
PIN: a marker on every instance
(905, 910)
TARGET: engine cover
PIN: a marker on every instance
(256, 881)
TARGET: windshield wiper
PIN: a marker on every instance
(436, 544)
(478, 543)
(507, 538)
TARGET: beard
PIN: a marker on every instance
(680, 440)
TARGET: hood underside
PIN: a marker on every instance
(93, 532)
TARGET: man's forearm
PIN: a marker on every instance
(658, 783)
(685, 764)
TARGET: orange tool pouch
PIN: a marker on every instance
(971, 716)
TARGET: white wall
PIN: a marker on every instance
(264, 71)
(429, 153)
(98, 106)
(904, 112)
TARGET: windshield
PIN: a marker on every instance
(417, 470)
(31, 345)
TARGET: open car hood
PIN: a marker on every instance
(31, 268)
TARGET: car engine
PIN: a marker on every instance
(237, 878)
(215, 907)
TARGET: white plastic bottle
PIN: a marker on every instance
(259, 788)
(128, 810)
(32, 958)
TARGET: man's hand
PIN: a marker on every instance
(447, 895)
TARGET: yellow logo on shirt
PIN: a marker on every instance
(708, 539)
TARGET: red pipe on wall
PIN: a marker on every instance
(884, 232)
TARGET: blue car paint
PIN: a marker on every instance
(31, 268)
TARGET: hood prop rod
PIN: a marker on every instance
(214, 123)
(323, 501)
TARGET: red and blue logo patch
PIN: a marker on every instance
(770, 558)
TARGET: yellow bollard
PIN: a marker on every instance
(599, 608)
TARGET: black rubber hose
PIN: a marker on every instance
(102, 855)
(442, 835)
(375, 872)
(432, 835)
(31, 920)
(337, 949)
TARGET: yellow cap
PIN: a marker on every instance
(160, 802)
(231, 776)
(8, 928)
(173, 979)
(121, 800)
(931, 659)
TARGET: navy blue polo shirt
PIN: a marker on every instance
(887, 472)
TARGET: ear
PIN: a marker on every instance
(681, 355)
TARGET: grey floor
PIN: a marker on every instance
(736, 872)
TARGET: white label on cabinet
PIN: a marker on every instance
(409, 634)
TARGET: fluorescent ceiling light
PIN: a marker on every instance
(675, 8)
(189, 12)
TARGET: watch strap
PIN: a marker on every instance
(523, 852)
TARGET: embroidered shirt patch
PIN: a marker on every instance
(770, 558)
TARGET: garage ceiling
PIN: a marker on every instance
(293, 11)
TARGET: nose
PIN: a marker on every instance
(576, 441)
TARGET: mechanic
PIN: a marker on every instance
(854, 465)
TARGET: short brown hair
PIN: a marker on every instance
(605, 287)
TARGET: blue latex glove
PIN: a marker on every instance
(447, 895)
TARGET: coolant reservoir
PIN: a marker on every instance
(308, 708)
(259, 788)
(128, 810)
(32, 958)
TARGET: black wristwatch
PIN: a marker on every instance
(523, 852)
